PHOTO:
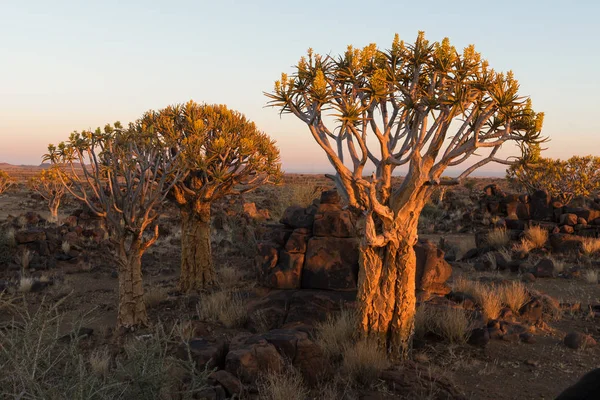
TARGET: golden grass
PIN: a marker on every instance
(591, 276)
(487, 296)
(452, 324)
(225, 307)
(536, 236)
(514, 295)
(334, 334)
(285, 385)
(364, 361)
(591, 246)
(498, 238)
(524, 246)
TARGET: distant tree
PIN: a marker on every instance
(423, 105)
(563, 180)
(48, 184)
(6, 181)
(226, 154)
(123, 175)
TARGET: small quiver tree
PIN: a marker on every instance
(6, 181)
(225, 154)
(424, 106)
(48, 184)
(563, 180)
(123, 175)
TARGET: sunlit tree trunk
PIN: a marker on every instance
(53, 208)
(132, 309)
(197, 270)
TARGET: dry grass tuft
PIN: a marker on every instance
(537, 236)
(335, 334)
(489, 299)
(498, 238)
(225, 307)
(591, 276)
(514, 295)
(364, 361)
(452, 324)
(591, 246)
(524, 246)
(100, 362)
(25, 284)
(65, 247)
(155, 296)
(229, 277)
(285, 385)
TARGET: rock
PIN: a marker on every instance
(527, 337)
(532, 311)
(287, 272)
(331, 264)
(311, 306)
(565, 243)
(516, 224)
(544, 268)
(528, 277)
(582, 221)
(232, 385)
(479, 337)
(331, 222)
(567, 229)
(540, 207)
(568, 219)
(587, 388)
(576, 340)
(30, 236)
(330, 197)
(204, 353)
(277, 234)
(432, 269)
(297, 241)
(502, 263)
(266, 258)
(298, 217)
(585, 213)
(251, 357)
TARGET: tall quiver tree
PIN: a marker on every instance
(424, 106)
(123, 175)
(226, 154)
(48, 184)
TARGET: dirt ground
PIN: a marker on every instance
(502, 370)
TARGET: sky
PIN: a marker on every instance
(73, 65)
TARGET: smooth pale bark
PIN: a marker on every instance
(132, 309)
(197, 270)
(53, 208)
(386, 287)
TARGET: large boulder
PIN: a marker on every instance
(432, 269)
(250, 356)
(540, 206)
(299, 217)
(331, 263)
(331, 220)
(279, 269)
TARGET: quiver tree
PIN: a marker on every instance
(225, 154)
(6, 181)
(48, 184)
(123, 175)
(563, 180)
(424, 106)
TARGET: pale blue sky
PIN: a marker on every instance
(67, 65)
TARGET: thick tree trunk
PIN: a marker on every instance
(53, 208)
(197, 270)
(386, 290)
(132, 310)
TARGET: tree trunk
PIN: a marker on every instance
(386, 290)
(197, 270)
(53, 207)
(132, 309)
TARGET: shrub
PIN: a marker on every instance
(498, 238)
(591, 276)
(334, 334)
(364, 361)
(536, 236)
(224, 307)
(514, 295)
(591, 246)
(489, 299)
(452, 324)
(6, 181)
(285, 385)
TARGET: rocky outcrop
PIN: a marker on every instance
(318, 248)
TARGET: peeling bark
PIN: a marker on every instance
(132, 309)
(197, 270)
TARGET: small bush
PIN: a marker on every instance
(591, 276)
(452, 324)
(489, 299)
(591, 246)
(285, 385)
(364, 361)
(536, 236)
(498, 238)
(334, 334)
(224, 307)
(514, 295)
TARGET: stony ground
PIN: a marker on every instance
(86, 285)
